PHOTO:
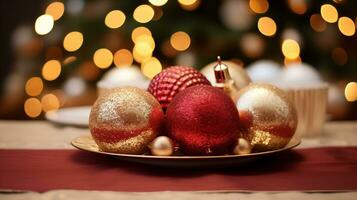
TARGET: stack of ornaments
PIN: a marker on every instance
(183, 113)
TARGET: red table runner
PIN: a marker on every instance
(309, 169)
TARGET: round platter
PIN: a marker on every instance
(73, 116)
(86, 143)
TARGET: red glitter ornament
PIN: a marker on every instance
(203, 120)
(165, 85)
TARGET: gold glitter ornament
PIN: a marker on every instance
(242, 147)
(268, 118)
(125, 120)
(162, 146)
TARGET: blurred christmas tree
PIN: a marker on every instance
(74, 42)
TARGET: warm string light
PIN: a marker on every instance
(317, 23)
(290, 49)
(138, 31)
(151, 67)
(44, 24)
(267, 26)
(103, 58)
(329, 13)
(51, 70)
(73, 41)
(351, 91)
(32, 107)
(158, 2)
(346, 26)
(259, 6)
(114, 19)
(143, 13)
(187, 2)
(298, 6)
(122, 58)
(34, 86)
(190, 4)
(180, 41)
(50, 102)
(55, 9)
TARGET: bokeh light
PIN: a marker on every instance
(51, 70)
(317, 23)
(339, 56)
(88, 70)
(44, 24)
(142, 51)
(32, 107)
(329, 13)
(267, 26)
(151, 67)
(290, 49)
(103, 58)
(288, 61)
(114, 19)
(138, 31)
(346, 26)
(190, 4)
(55, 9)
(259, 6)
(180, 41)
(143, 13)
(50, 102)
(187, 2)
(351, 91)
(122, 58)
(73, 41)
(298, 6)
(34, 86)
(69, 60)
(158, 2)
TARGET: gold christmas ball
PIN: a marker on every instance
(242, 147)
(268, 117)
(162, 146)
(237, 73)
(125, 120)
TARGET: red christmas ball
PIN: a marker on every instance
(203, 120)
(165, 85)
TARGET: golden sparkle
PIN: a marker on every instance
(143, 13)
(55, 9)
(351, 91)
(50, 102)
(329, 13)
(346, 26)
(34, 86)
(267, 26)
(180, 41)
(103, 58)
(51, 70)
(32, 107)
(44, 24)
(73, 41)
(290, 49)
(114, 19)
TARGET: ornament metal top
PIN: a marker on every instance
(224, 80)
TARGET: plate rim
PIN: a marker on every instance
(51, 116)
(290, 145)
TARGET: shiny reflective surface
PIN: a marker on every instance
(267, 115)
(86, 143)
